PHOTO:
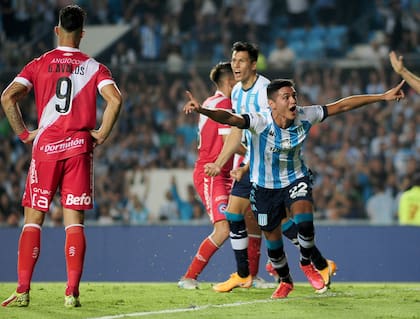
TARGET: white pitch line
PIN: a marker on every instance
(192, 308)
(197, 308)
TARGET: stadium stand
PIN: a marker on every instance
(146, 135)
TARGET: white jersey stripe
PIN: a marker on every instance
(49, 114)
(275, 157)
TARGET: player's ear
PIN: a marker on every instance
(56, 30)
(271, 103)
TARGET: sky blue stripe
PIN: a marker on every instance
(285, 226)
(238, 105)
(304, 217)
(273, 245)
(257, 105)
(234, 217)
(261, 164)
(275, 160)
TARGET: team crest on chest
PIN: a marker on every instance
(286, 144)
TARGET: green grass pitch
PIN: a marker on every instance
(112, 300)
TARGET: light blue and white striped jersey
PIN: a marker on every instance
(249, 101)
(276, 159)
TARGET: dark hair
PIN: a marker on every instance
(276, 85)
(220, 70)
(72, 18)
(251, 48)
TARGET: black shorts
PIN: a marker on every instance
(269, 205)
(243, 187)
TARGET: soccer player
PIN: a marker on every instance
(409, 205)
(65, 83)
(398, 66)
(279, 176)
(250, 95)
(213, 191)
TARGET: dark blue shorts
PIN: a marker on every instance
(269, 205)
(243, 187)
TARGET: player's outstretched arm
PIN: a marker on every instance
(218, 115)
(356, 101)
(397, 63)
(113, 99)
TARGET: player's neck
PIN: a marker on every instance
(281, 121)
(68, 42)
(225, 89)
(249, 82)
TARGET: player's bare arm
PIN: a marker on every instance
(397, 63)
(219, 115)
(232, 145)
(356, 101)
(113, 99)
(10, 103)
(224, 117)
(237, 173)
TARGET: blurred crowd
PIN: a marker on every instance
(361, 160)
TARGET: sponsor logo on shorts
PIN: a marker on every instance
(220, 198)
(33, 176)
(222, 207)
(41, 191)
(78, 200)
(63, 145)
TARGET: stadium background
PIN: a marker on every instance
(158, 49)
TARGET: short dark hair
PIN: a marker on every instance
(276, 85)
(251, 48)
(220, 70)
(72, 18)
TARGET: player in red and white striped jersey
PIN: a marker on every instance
(65, 82)
(213, 191)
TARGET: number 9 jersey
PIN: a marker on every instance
(65, 83)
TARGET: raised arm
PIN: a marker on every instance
(398, 66)
(218, 115)
(356, 101)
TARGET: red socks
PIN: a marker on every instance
(28, 253)
(200, 260)
(254, 252)
(75, 248)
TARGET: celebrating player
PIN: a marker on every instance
(65, 83)
(250, 95)
(279, 176)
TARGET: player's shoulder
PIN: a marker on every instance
(262, 115)
(308, 108)
(262, 80)
(237, 87)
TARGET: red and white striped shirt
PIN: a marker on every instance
(65, 82)
(210, 133)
